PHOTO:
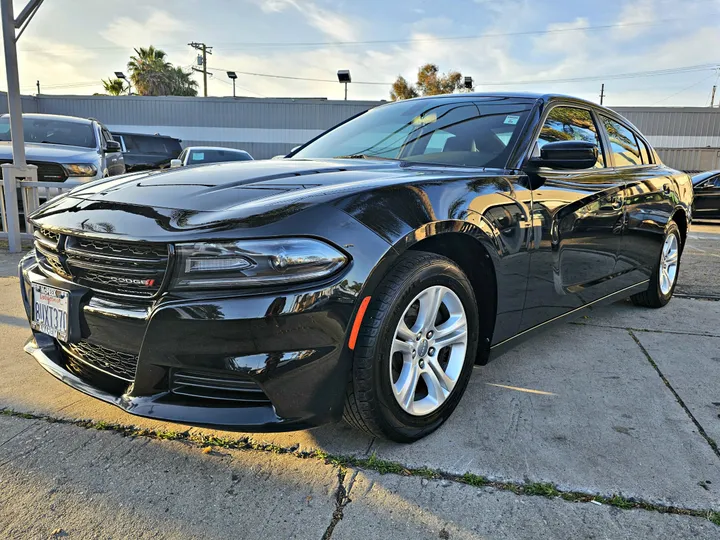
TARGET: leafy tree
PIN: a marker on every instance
(152, 75)
(114, 87)
(401, 89)
(430, 82)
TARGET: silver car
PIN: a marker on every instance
(65, 148)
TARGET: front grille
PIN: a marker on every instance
(117, 364)
(118, 268)
(217, 387)
(47, 172)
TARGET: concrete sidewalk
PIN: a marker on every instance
(628, 416)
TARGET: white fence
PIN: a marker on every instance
(31, 193)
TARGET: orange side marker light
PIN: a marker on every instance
(358, 322)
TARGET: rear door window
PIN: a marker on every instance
(623, 144)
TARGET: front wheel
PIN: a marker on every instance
(665, 274)
(415, 349)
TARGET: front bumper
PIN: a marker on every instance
(292, 347)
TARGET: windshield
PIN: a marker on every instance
(473, 133)
(52, 131)
(209, 155)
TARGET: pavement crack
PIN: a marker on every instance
(342, 499)
(680, 401)
(372, 463)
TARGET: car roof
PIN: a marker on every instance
(75, 119)
(158, 135)
(216, 148)
(544, 97)
(704, 176)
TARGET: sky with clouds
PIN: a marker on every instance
(517, 45)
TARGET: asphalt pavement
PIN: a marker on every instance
(601, 428)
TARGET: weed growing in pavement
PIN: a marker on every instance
(474, 480)
(373, 463)
(541, 489)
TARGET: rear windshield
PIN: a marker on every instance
(53, 131)
(464, 132)
(147, 144)
(215, 156)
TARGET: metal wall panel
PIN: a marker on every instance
(263, 127)
(676, 127)
(691, 159)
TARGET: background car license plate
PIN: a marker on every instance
(51, 311)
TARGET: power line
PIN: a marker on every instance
(637, 74)
(251, 44)
(684, 89)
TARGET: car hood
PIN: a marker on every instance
(230, 195)
(51, 152)
(234, 186)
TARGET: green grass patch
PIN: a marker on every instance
(540, 489)
(474, 480)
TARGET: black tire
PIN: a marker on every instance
(370, 405)
(653, 296)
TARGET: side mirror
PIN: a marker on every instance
(175, 163)
(112, 146)
(571, 155)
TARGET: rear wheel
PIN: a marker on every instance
(665, 274)
(415, 350)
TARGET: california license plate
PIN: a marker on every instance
(51, 311)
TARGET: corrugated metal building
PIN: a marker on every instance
(687, 138)
(265, 127)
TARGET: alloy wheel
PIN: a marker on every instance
(428, 350)
(669, 264)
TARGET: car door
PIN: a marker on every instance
(707, 199)
(648, 200)
(114, 161)
(577, 223)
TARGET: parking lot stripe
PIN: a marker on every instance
(528, 390)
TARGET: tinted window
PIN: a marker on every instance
(53, 131)
(570, 124)
(210, 155)
(623, 144)
(461, 133)
(156, 145)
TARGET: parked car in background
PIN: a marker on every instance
(65, 147)
(707, 195)
(362, 276)
(144, 152)
(200, 155)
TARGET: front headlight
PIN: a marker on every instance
(253, 263)
(80, 169)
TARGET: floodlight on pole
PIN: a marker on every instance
(344, 77)
(232, 76)
(121, 75)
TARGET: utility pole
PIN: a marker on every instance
(38, 87)
(712, 99)
(19, 170)
(205, 51)
(602, 93)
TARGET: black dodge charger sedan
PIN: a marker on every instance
(363, 276)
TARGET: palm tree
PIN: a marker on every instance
(149, 71)
(114, 87)
(181, 82)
